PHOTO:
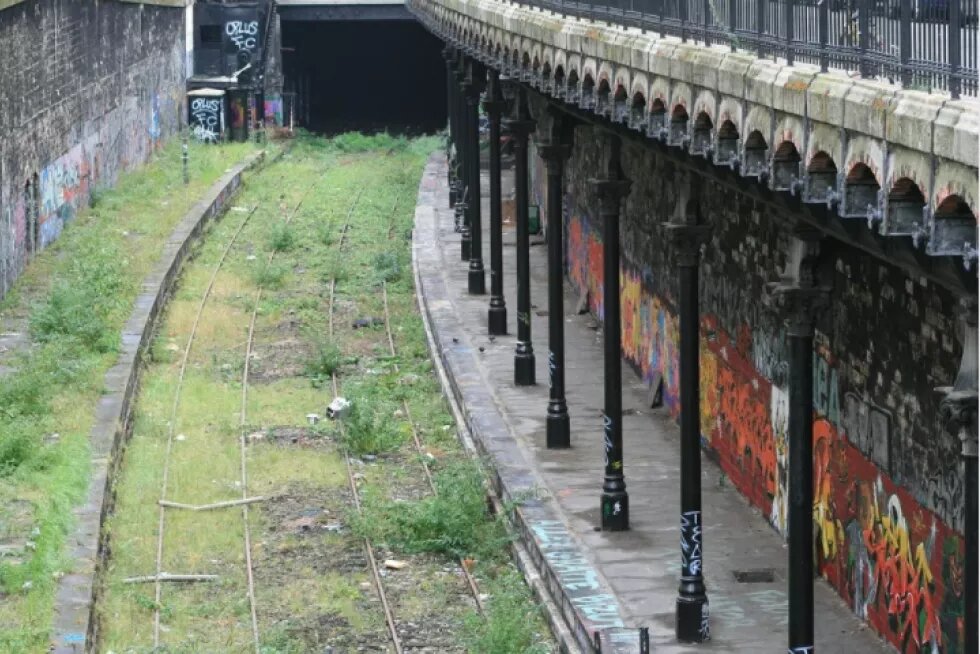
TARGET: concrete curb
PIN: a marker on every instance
(577, 599)
(75, 627)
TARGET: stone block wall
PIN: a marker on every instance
(88, 88)
(887, 479)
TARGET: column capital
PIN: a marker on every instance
(554, 154)
(686, 240)
(799, 305)
(610, 192)
(958, 412)
(520, 128)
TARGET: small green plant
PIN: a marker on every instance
(507, 627)
(282, 238)
(269, 275)
(325, 362)
(454, 522)
(387, 266)
(369, 427)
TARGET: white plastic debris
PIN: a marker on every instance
(313, 418)
(338, 408)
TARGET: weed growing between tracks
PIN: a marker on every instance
(72, 301)
(313, 585)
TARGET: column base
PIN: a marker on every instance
(464, 244)
(476, 282)
(524, 366)
(614, 508)
(692, 619)
(497, 319)
(557, 427)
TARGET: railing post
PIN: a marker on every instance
(760, 27)
(789, 52)
(732, 9)
(707, 22)
(823, 29)
(905, 42)
(954, 48)
(682, 7)
(864, 36)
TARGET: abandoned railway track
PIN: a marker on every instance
(244, 521)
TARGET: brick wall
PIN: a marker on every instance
(887, 480)
(87, 89)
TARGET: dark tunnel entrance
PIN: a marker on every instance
(364, 75)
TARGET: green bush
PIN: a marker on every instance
(269, 275)
(454, 522)
(282, 238)
(507, 626)
(325, 362)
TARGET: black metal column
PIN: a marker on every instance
(465, 191)
(476, 280)
(692, 599)
(610, 190)
(958, 410)
(449, 54)
(800, 300)
(555, 154)
(521, 128)
(497, 313)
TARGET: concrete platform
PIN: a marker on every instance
(602, 581)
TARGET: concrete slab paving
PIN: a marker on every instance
(640, 567)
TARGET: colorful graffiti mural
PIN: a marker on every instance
(896, 563)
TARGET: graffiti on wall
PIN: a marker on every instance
(273, 111)
(894, 561)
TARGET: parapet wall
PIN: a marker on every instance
(87, 89)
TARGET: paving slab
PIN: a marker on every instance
(632, 576)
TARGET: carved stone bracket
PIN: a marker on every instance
(610, 194)
(554, 155)
(686, 241)
(958, 409)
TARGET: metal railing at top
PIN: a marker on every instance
(929, 45)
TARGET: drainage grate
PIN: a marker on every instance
(763, 576)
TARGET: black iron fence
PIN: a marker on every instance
(922, 44)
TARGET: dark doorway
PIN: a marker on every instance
(364, 75)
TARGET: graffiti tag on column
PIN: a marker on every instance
(607, 427)
(690, 543)
(204, 118)
(551, 367)
(242, 33)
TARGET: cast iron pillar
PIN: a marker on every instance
(494, 105)
(555, 153)
(449, 54)
(958, 410)
(610, 191)
(686, 239)
(476, 283)
(800, 300)
(465, 192)
(520, 128)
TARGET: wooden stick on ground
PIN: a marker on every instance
(208, 507)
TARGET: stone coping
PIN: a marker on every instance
(75, 628)
(581, 600)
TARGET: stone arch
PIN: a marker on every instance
(754, 154)
(544, 80)
(955, 179)
(559, 76)
(821, 171)
(679, 120)
(572, 86)
(704, 103)
(903, 214)
(657, 119)
(638, 108)
(785, 166)
(789, 129)
(620, 104)
(868, 151)
(953, 206)
(726, 138)
(605, 72)
(603, 96)
(701, 133)
(860, 192)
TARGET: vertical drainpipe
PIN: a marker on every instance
(497, 313)
(686, 238)
(476, 278)
(958, 409)
(800, 299)
(521, 128)
(555, 153)
(610, 191)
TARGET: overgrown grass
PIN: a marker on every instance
(72, 300)
(508, 627)
(369, 427)
(454, 522)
